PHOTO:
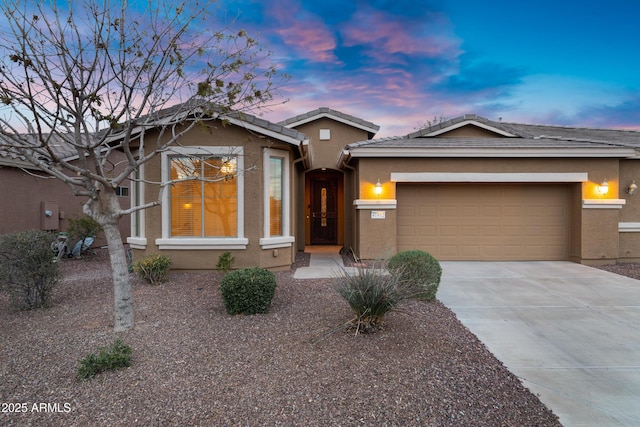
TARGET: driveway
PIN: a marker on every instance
(570, 332)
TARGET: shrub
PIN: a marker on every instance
(371, 293)
(248, 290)
(153, 268)
(225, 262)
(27, 267)
(115, 356)
(420, 270)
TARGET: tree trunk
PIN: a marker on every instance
(106, 211)
(123, 308)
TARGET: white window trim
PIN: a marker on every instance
(202, 243)
(139, 241)
(286, 240)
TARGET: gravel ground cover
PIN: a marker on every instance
(195, 365)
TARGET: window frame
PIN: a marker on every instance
(286, 239)
(167, 241)
(138, 239)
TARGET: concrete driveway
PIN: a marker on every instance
(571, 333)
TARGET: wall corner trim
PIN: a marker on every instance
(603, 203)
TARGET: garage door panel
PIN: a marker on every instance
(427, 231)
(485, 221)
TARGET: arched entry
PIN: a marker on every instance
(324, 196)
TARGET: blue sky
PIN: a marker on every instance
(401, 63)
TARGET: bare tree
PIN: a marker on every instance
(93, 76)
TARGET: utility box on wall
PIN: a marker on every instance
(50, 216)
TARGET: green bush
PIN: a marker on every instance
(225, 262)
(27, 267)
(420, 270)
(153, 268)
(115, 356)
(371, 293)
(248, 290)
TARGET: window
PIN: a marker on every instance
(122, 191)
(276, 200)
(325, 134)
(204, 197)
(203, 206)
(275, 196)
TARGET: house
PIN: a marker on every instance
(464, 189)
(31, 199)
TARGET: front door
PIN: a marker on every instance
(324, 210)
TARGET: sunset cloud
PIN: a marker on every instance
(400, 63)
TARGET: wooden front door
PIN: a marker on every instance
(324, 210)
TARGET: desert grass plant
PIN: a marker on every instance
(117, 355)
(371, 293)
(225, 262)
(28, 270)
(153, 268)
(420, 270)
(248, 290)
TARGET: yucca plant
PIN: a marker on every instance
(371, 293)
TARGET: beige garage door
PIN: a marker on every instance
(485, 221)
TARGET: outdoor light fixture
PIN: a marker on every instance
(632, 188)
(378, 189)
(603, 188)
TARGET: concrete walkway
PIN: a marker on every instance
(570, 332)
(326, 262)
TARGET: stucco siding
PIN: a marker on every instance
(253, 211)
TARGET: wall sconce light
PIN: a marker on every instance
(378, 188)
(632, 188)
(603, 188)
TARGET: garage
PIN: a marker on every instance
(485, 222)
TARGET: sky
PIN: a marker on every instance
(404, 63)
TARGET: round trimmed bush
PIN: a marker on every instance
(248, 290)
(419, 270)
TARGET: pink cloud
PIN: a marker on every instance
(304, 32)
(385, 35)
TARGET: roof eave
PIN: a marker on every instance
(494, 152)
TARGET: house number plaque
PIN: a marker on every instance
(378, 214)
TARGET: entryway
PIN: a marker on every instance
(324, 199)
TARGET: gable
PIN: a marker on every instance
(322, 113)
(464, 127)
(471, 131)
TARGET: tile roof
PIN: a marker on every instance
(524, 136)
(59, 144)
(197, 106)
(334, 114)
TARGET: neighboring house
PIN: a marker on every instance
(465, 189)
(31, 199)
